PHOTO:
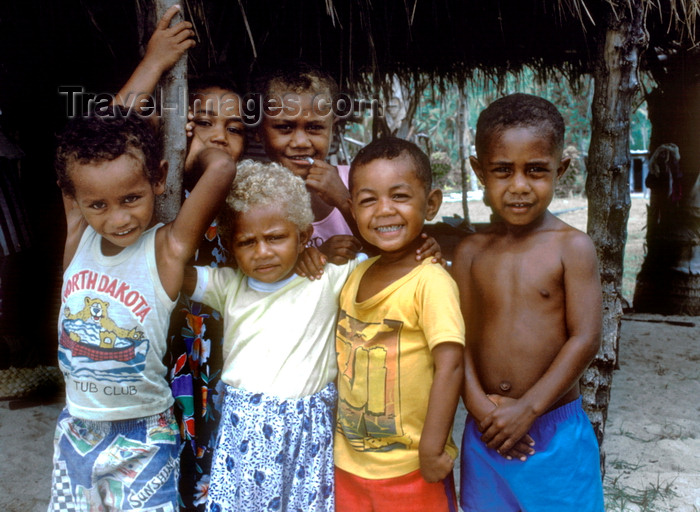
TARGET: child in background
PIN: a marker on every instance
(531, 298)
(117, 443)
(275, 444)
(196, 330)
(399, 345)
(296, 131)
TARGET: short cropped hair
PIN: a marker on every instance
(104, 137)
(519, 110)
(297, 77)
(264, 184)
(393, 147)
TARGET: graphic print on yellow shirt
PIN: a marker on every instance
(370, 414)
(385, 368)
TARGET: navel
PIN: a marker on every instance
(544, 293)
(505, 386)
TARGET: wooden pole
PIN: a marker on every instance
(464, 145)
(173, 111)
(607, 188)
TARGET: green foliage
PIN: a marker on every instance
(441, 165)
(436, 122)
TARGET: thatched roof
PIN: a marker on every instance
(96, 42)
(362, 41)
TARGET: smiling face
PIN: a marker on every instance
(265, 244)
(217, 123)
(390, 203)
(296, 127)
(116, 199)
(519, 170)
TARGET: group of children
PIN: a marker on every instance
(307, 376)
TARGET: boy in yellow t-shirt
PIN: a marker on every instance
(400, 344)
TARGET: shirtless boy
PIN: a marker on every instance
(531, 299)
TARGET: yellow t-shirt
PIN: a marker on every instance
(385, 368)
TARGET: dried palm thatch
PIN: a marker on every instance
(366, 43)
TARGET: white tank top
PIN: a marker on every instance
(112, 331)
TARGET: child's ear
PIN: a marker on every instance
(159, 186)
(563, 166)
(433, 203)
(305, 237)
(352, 210)
(476, 167)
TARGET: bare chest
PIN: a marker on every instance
(503, 275)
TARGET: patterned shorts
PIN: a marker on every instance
(274, 454)
(115, 465)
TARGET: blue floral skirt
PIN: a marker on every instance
(274, 454)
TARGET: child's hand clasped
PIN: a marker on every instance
(500, 429)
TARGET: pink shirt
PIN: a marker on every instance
(334, 223)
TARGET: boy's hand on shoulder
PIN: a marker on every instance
(339, 249)
(167, 44)
(435, 467)
(430, 248)
(505, 429)
(310, 264)
(324, 179)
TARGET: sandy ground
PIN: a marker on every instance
(652, 434)
(652, 440)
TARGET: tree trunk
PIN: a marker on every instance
(464, 146)
(174, 103)
(669, 280)
(607, 188)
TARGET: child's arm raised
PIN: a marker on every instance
(583, 304)
(165, 47)
(177, 241)
(75, 227)
(435, 462)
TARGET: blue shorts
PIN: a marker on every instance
(274, 453)
(116, 465)
(563, 474)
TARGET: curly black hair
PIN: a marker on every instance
(390, 148)
(519, 110)
(103, 137)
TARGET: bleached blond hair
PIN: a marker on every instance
(264, 184)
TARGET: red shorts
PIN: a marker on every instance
(406, 493)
